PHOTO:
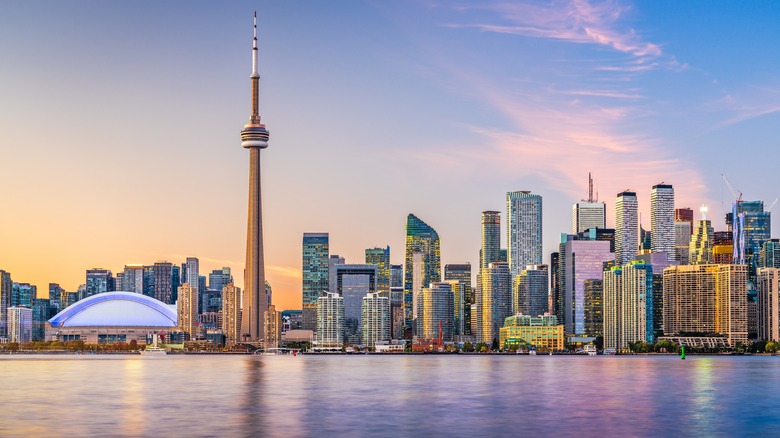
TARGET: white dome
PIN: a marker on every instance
(116, 309)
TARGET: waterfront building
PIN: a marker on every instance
(659, 262)
(315, 275)
(423, 241)
(436, 312)
(112, 317)
(273, 327)
(231, 313)
(464, 296)
(375, 319)
(542, 332)
(397, 276)
(579, 260)
(530, 291)
(187, 308)
(662, 219)
(99, 280)
(333, 260)
(628, 305)
(524, 230)
(494, 303)
(6, 289)
(254, 137)
(397, 312)
(682, 241)
(626, 227)
(593, 312)
(701, 242)
(491, 238)
(20, 324)
(23, 294)
(706, 299)
(353, 282)
(556, 296)
(330, 320)
(768, 304)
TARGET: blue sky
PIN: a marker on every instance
(119, 122)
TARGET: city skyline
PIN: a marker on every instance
(173, 81)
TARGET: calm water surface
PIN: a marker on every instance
(365, 395)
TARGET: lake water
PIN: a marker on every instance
(403, 395)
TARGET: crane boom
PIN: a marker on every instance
(734, 191)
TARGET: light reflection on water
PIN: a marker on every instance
(388, 395)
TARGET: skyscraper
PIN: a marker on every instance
(23, 294)
(628, 305)
(273, 327)
(752, 226)
(494, 303)
(588, 213)
(626, 227)
(491, 238)
(684, 214)
(435, 311)
(579, 260)
(187, 307)
(353, 282)
(19, 324)
(333, 260)
(381, 258)
(163, 276)
(706, 299)
(682, 241)
(6, 286)
(524, 231)
(701, 242)
(397, 276)
(192, 278)
(768, 304)
(530, 290)
(330, 320)
(315, 275)
(464, 298)
(99, 280)
(662, 219)
(219, 278)
(376, 319)
(421, 239)
(133, 279)
(254, 137)
(231, 313)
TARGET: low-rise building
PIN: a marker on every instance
(539, 331)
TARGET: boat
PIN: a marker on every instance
(590, 349)
(154, 349)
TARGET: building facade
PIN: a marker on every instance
(315, 275)
(231, 313)
(330, 321)
(494, 302)
(768, 304)
(491, 238)
(530, 291)
(524, 230)
(20, 324)
(376, 319)
(464, 296)
(436, 312)
(381, 258)
(187, 307)
(663, 237)
(542, 332)
(423, 241)
(626, 227)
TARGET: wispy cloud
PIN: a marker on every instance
(285, 271)
(747, 104)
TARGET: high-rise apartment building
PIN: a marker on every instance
(187, 307)
(423, 240)
(464, 296)
(381, 258)
(162, 273)
(436, 312)
(593, 313)
(133, 279)
(626, 227)
(315, 275)
(768, 304)
(231, 313)
(628, 305)
(530, 291)
(330, 320)
(491, 238)
(494, 302)
(662, 219)
(273, 327)
(20, 324)
(375, 311)
(524, 230)
(706, 299)
(6, 289)
(99, 280)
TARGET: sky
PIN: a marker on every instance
(120, 121)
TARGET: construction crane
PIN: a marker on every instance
(734, 191)
(773, 204)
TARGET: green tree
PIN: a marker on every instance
(481, 347)
(468, 347)
(771, 347)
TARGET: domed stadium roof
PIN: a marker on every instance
(116, 309)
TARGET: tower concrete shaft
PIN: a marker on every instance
(254, 137)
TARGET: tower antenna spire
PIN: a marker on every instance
(590, 188)
(254, 49)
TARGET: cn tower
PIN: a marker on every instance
(254, 137)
